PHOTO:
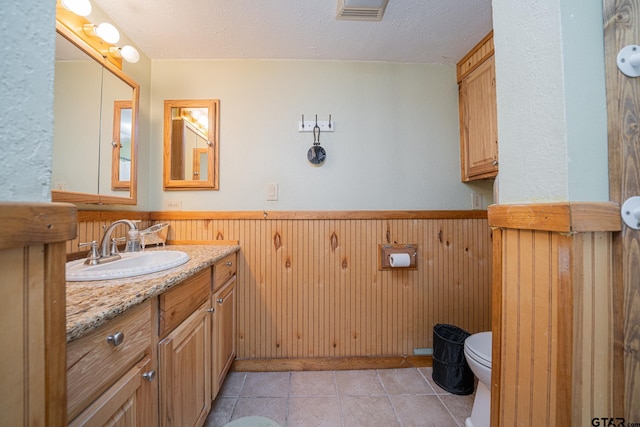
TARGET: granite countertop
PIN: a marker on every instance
(91, 304)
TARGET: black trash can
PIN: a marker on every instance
(450, 368)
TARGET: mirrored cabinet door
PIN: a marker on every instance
(115, 95)
(95, 109)
(122, 149)
(76, 148)
(191, 144)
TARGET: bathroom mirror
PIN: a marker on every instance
(191, 144)
(95, 113)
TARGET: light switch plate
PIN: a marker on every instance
(272, 191)
(476, 201)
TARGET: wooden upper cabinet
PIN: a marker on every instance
(478, 112)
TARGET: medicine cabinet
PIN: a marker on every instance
(191, 144)
(95, 126)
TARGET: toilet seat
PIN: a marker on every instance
(478, 347)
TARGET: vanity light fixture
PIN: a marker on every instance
(105, 31)
(127, 52)
(100, 40)
(79, 7)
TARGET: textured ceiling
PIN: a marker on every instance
(422, 31)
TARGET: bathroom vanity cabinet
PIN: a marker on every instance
(161, 362)
(110, 372)
(224, 319)
(478, 112)
(184, 352)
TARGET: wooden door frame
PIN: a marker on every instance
(621, 20)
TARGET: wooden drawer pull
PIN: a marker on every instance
(149, 376)
(116, 339)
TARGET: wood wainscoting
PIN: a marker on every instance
(554, 353)
(309, 284)
(33, 333)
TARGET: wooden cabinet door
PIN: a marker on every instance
(126, 403)
(224, 332)
(185, 371)
(478, 123)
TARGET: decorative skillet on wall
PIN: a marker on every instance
(316, 153)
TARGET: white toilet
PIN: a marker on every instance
(477, 351)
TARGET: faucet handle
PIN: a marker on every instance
(93, 256)
(114, 246)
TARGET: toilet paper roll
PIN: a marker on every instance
(400, 260)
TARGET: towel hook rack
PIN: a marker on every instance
(324, 125)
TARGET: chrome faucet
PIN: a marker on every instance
(108, 249)
(105, 250)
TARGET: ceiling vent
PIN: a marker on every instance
(361, 10)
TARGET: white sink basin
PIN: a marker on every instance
(130, 264)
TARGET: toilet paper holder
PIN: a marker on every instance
(384, 251)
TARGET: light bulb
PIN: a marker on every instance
(130, 54)
(79, 7)
(107, 32)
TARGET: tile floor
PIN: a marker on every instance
(384, 397)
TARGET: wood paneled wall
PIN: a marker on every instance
(91, 226)
(32, 312)
(534, 273)
(594, 378)
(557, 328)
(309, 286)
(621, 20)
(554, 318)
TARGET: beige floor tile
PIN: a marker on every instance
(232, 384)
(427, 373)
(404, 381)
(421, 410)
(215, 419)
(359, 383)
(367, 411)
(314, 412)
(313, 383)
(459, 406)
(274, 408)
(221, 412)
(340, 398)
(266, 384)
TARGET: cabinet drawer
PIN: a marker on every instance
(97, 360)
(178, 303)
(119, 405)
(224, 270)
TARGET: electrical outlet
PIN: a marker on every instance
(173, 205)
(476, 201)
(272, 191)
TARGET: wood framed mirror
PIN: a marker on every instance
(93, 99)
(191, 144)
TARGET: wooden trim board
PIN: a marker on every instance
(25, 224)
(312, 215)
(330, 363)
(475, 57)
(564, 217)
